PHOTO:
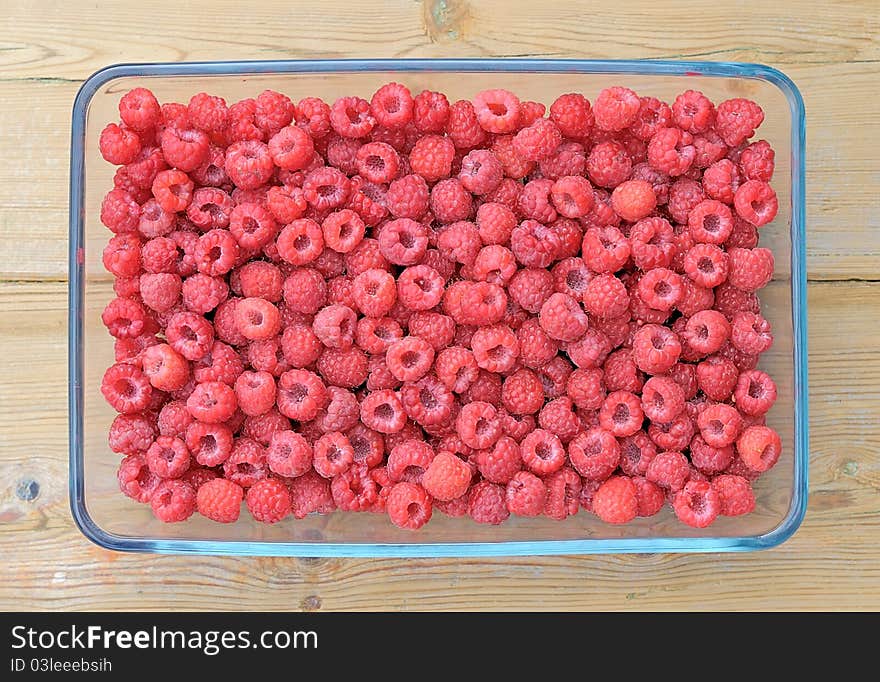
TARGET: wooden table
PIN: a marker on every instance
(831, 50)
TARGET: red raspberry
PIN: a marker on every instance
(695, 298)
(616, 500)
(573, 115)
(697, 504)
(662, 399)
(410, 358)
(477, 425)
(120, 212)
(286, 203)
(334, 325)
(172, 190)
(346, 367)
(651, 242)
(708, 459)
(355, 490)
(126, 388)
(755, 392)
(608, 164)
(719, 425)
(572, 196)
(605, 296)
(124, 318)
(249, 164)
(562, 318)
(352, 117)
(605, 249)
(392, 105)
(495, 223)
(311, 493)
(721, 181)
(459, 242)
(522, 392)
(710, 222)
(684, 194)
(487, 503)
(301, 242)
(756, 202)
(734, 494)
(118, 145)
(633, 200)
(268, 500)
(542, 452)
(569, 159)
(135, 478)
(257, 319)
(615, 108)
(139, 109)
(669, 470)
(450, 201)
(122, 255)
(408, 460)
(706, 265)
(333, 454)
(382, 411)
(660, 289)
(430, 111)
(209, 444)
(558, 417)
(526, 494)
(166, 369)
(342, 412)
(717, 377)
(301, 394)
(621, 413)
(653, 115)
(173, 501)
(313, 115)
(757, 161)
(536, 347)
(462, 126)
(403, 241)
(671, 151)
(408, 197)
(220, 500)
(212, 402)
(255, 392)
(431, 157)
(515, 167)
(262, 427)
(707, 331)
(216, 253)
(595, 454)
(674, 435)
(475, 303)
(427, 402)
(729, 300)
(376, 334)
(210, 207)
(497, 111)
(571, 277)
(438, 330)
(374, 292)
(743, 235)
(447, 477)
(563, 494)
(736, 120)
(636, 453)
(554, 375)
(131, 434)
(537, 141)
(750, 269)
(272, 112)
(500, 463)
(481, 171)
(260, 279)
(586, 389)
(168, 457)
(207, 112)
(655, 348)
(693, 111)
(326, 188)
(751, 333)
(495, 348)
(456, 368)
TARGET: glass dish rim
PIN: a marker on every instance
(105, 539)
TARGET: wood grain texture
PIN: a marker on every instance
(831, 51)
(830, 563)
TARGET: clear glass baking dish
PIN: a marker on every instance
(113, 521)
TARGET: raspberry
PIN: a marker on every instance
(131, 434)
(220, 500)
(693, 111)
(456, 368)
(590, 350)
(684, 194)
(124, 318)
(526, 494)
(430, 111)
(571, 277)
(586, 389)
(462, 126)
(459, 242)
(655, 349)
(608, 164)
(736, 120)
(268, 500)
(300, 242)
(537, 141)
(750, 333)
(119, 146)
(669, 470)
(721, 181)
(636, 453)
(408, 460)
(572, 196)
(481, 171)
(374, 292)
(497, 111)
(119, 211)
(326, 188)
(706, 265)
(212, 402)
(447, 477)
(160, 291)
(554, 374)
(333, 454)
(376, 334)
(126, 388)
(210, 207)
(605, 249)
(615, 108)
(168, 457)
(522, 392)
(427, 402)
(173, 501)
(207, 112)
(515, 167)
(431, 157)
(572, 115)
(334, 325)
(757, 161)
(563, 494)
(707, 331)
(135, 478)
(710, 222)
(166, 369)
(301, 394)
(671, 151)
(495, 223)
(257, 319)
(450, 201)
(697, 504)
(621, 413)
(605, 296)
(743, 235)
(595, 454)
(562, 318)
(717, 377)
(209, 444)
(633, 199)
(410, 358)
(708, 459)
(408, 506)
(262, 427)
(719, 425)
(756, 202)
(651, 242)
(382, 411)
(750, 269)
(755, 392)
(255, 392)
(542, 452)
(735, 495)
(310, 493)
(660, 289)
(343, 367)
(616, 500)
(653, 115)
(487, 503)
(495, 348)
(392, 105)
(122, 255)
(662, 399)
(477, 425)
(729, 300)
(403, 241)
(558, 417)
(352, 117)
(569, 159)
(139, 109)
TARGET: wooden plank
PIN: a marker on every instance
(831, 563)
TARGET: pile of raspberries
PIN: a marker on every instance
(407, 304)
